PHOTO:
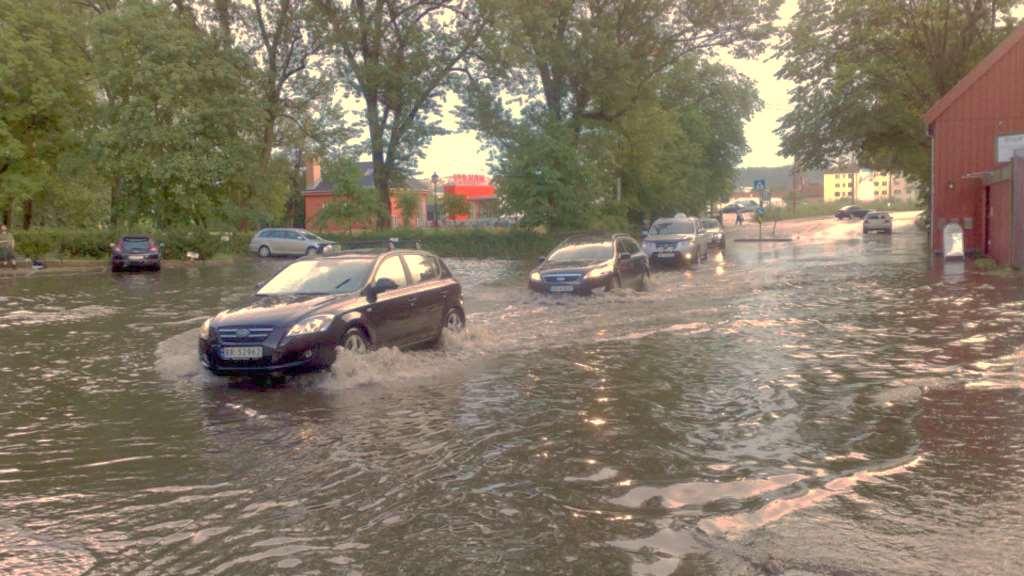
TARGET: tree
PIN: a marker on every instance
(398, 57)
(352, 204)
(46, 106)
(408, 205)
(591, 74)
(176, 123)
(455, 205)
(866, 72)
(294, 89)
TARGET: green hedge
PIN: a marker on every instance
(86, 243)
(504, 243)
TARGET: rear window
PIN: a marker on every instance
(135, 243)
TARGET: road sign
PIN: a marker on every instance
(760, 185)
(1006, 145)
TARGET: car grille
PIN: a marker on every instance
(566, 278)
(665, 245)
(243, 334)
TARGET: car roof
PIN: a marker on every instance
(136, 237)
(364, 255)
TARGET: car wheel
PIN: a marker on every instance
(156, 268)
(614, 284)
(115, 268)
(311, 251)
(355, 341)
(455, 320)
(264, 252)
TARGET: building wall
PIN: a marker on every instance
(963, 142)
(839, 186)
(999, 219)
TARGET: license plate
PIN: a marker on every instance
(666, 255)
(561, 289)
(136, 258)
(242, 353)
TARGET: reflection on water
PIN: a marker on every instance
(826, 408)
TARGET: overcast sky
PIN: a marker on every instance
(460, 152)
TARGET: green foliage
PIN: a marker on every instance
(513, 244)
(455, 205)
(177, 124)
(865, 72)
(95, 243)
(540, 172)
(398, 56)
(626, 98)
(408, 206)
(46, 105)
(352, 204)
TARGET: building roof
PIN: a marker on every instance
(974, 75)
(366, 181)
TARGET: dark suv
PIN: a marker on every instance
(360, 301)
(134, 252)
(590, 262)
(851, 212)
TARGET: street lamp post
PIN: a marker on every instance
(434, 179)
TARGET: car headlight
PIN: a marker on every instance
(311, 326)
(648, 245)
(204, 330)
(535, 277)
(602, 270)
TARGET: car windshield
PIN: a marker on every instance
(319, 277)
(710, 224)
(672, 227)
(583, 252)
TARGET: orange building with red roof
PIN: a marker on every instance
(478, 190)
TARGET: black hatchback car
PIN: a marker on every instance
(136, 252)
(360, 301)
(583, 264)
(851, 212)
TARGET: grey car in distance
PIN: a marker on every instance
(676, 241)
(288, 242)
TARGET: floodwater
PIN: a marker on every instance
(830, 406)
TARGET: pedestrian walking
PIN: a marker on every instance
(6, 247)
(739, 218)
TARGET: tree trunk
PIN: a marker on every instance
(9, 215)
(26, 214)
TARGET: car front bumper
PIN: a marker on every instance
(297, 355)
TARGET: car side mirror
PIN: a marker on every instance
(379, 287)
(540, 259)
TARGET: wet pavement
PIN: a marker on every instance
(833, 406)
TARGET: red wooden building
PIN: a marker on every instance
(970, 184)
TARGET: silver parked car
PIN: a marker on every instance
(288, 242)
(878, 222)
(676, 241)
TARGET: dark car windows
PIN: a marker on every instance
(266, 234)
(392, 268)
(135, 244)
(319, 277)
(589, 252)
(631, 246)
(710, 224)
(672, 227)
(422, 268)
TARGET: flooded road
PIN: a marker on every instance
(830, 406)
